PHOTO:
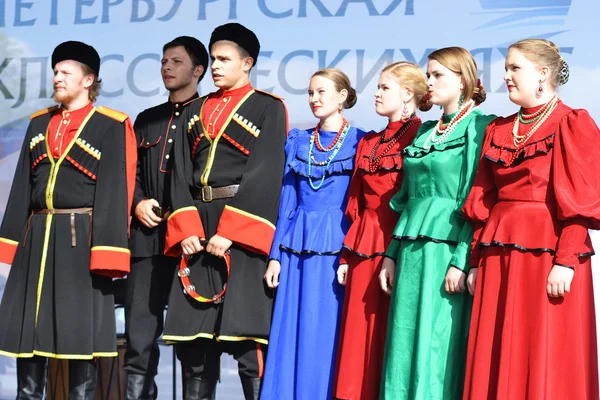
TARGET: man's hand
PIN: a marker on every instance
(191, 246)
(144, 213)
(218, 245)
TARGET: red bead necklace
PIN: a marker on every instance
(519, 141)
(374, 159)
(537, 113)
(337, 137)
(442, 127)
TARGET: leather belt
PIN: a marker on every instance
(209, 193)
(71, 211)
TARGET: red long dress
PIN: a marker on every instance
(528, 217)
(364, 319)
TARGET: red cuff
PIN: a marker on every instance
(8, 248)
(182, 224)
(130, 166)
(345, 256)
(110, 261)
(246, 229)
(574, 242)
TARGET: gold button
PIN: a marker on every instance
(170, 140)
(176, 105)
(167, 156)
(173, 126)
(56, 148)
(147, 143)
(65, 122)
(177, 114)
(67, 114)
(210, 124)
(224, 100)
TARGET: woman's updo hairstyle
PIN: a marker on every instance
(544, 53)
(340, 81)
(412, 76)
(461, 62)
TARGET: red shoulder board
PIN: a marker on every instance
(42, 112)
(269, 94)
(109, 112)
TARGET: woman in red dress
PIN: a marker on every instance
(377, 177)
(536, 194)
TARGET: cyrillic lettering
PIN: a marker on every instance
(131, 72)
(281, 73)
(363, 79)
(135, 10)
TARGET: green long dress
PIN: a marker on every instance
(426, 341)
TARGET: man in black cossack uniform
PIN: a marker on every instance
(65, 230)
(184, 63)
(226, 180)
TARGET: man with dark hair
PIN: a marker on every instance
(228, 168)
(184, 63)
(65, 231)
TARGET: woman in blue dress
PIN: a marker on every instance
(307, 245)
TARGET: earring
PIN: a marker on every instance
(540, 90)
(340, 108)
(405, 114)
(461, 101)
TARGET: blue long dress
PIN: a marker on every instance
(308, 242)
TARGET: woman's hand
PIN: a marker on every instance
(472, 280)
(559, 281)
(386, 276)
(342, 274)
(455, 280)
(272, 274)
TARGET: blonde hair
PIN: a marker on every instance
(461, 62)
(410, 75)
(94, 90)
(340, 81)
(544, 53)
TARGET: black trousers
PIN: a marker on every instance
(148, 287)
(202, 357)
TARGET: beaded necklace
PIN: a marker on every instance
(318, 142)
(334, 148)
(374, 160)
(442, 132)
(520, 140)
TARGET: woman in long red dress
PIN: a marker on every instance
(377, 177)
(536, 194)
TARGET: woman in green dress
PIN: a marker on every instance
(426, 263)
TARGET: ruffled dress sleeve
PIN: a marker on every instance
(481, 199)
(397, 204)
(288, 200)
(576, 171)
(355, 197)
(474, 141)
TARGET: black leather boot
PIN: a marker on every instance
(140, 387)
(251, 388)
(31, 378)
(199, 389)
(82, 380)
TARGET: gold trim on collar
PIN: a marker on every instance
(54, 167)
(213, 145)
